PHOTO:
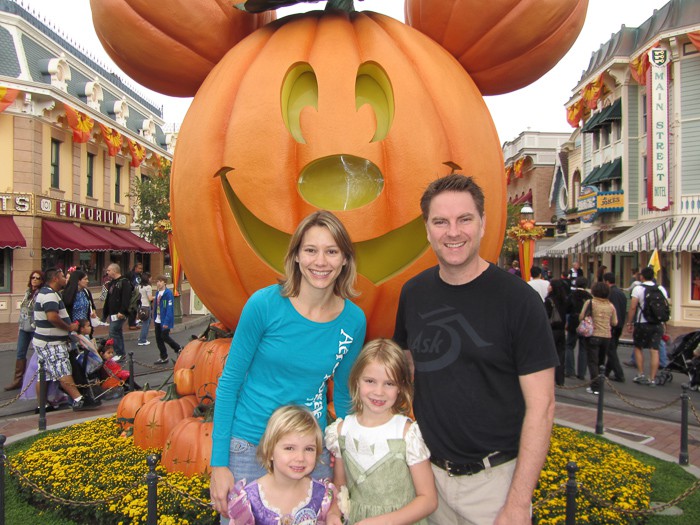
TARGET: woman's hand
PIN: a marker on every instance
(219, 487)
(333, 519)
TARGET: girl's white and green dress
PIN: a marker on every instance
(377, 461)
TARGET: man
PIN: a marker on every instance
(619, 300)
(484, 368)
(164, 319)
(134, 277)
(538, 283)
(574, 272)
(116, 308)
(646, 334)
(51, 336)
(546, 273)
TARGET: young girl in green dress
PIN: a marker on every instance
(379, 452)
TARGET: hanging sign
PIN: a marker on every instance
(657, 130)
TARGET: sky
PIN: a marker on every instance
(537, 107)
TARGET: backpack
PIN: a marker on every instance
(656, 309)
(134, 301)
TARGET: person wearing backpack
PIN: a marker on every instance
(116, 308)
(649, 310)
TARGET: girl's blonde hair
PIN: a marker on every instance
(286, 420)
(387, 353)
(343, 286)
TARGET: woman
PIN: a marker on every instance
(26, 327)
(291, 338)
(146, 292)
(78, 299)
(555, 304)
(604, 318)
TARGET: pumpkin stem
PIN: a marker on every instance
(170, 393)
(344, 5)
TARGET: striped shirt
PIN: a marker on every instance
(47, 300)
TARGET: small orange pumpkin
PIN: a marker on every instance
(171, 47)
(184, 381)
(208, 366)
(155, 419)
(513, 43)
(188, 355)
(188, 447)
(131, 403)
(283, 110)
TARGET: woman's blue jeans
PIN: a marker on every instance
(145, 325)
(23, 340)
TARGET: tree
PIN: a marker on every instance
(151, 200)
(509, 251)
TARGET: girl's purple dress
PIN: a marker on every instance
(248, 507)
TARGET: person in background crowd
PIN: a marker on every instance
(26, 327)
(619, 301)
(574, 273)
(146, 292)
(164, 319)
(546, 273)
(604, 318)
(555, 304)
(116, 308)
(644, 333)
(635, 281)
(51, 336)
(537, 282)
(601, 273)
(465, 343)
(515, 268)
(134, 277)
(577, 297)
(77, 297)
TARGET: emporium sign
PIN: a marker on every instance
(40, 205)
(657, 136)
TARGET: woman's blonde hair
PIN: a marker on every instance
(286, 420)
(385, 352)
(343, 286)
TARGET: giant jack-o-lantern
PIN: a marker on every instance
(351, 112)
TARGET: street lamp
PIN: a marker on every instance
(526, 233)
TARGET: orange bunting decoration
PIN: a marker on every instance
(574, 113)
(80, 123)
(592, 92)
(113, 140)
(7, 97)
(138, 152)
(518, 168)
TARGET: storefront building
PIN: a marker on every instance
(634, 162)
(73, 137)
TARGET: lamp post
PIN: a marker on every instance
(526, 233)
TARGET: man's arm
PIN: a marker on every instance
(55, 319)
(538, 391)
(630, 315)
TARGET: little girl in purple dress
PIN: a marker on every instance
(286, 495)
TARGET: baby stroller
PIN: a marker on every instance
(684, 357)
(86, 364)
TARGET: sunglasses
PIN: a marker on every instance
(36, 277)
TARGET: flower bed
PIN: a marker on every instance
(89, 462)
(604, 469)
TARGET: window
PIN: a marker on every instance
(90, 174)
(5, 267)
(596, 140)
(644, 113)
(604, 136)
(55, 163)
(644, 176)
(617, 131)
(117, 184)
(695, 275)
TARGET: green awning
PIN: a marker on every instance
(605, 115)
(608, 171)
(592, 123)
(613, 171)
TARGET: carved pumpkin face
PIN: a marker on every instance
(354, 113)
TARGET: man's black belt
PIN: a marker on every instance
(468, 469)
